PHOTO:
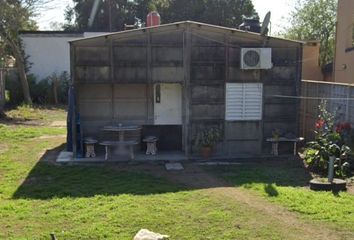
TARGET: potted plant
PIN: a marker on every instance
(206, 140)
(276, 134)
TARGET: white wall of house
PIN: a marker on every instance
(49, 52)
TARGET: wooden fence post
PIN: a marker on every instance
(347, 105)
(304, 108)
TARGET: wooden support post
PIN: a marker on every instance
(298, 85)
(304, 110)
(73, 85)
(111, 77)
(347, 118)
(227, 63)
(150, 84)
(187, 51)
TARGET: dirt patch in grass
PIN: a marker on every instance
(3, 147)
(58, 124)
(51, 136)
(34, 116)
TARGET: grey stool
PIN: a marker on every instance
(90, 147)
(151, 145)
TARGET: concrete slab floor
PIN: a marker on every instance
(67, 157)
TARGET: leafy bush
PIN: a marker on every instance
(208, 137)
(42, 92)
(329, 141)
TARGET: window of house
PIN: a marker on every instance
(244, 101)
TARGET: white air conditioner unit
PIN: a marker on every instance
(256, 58)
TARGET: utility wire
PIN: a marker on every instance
(310, 98)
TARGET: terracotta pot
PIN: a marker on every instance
(206, 152)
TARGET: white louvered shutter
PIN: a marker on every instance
(244, 101)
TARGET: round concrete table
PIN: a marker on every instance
(121, 129)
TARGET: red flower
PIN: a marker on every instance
(339, 128)
(343, 127)
(320, 123)
(346, 126)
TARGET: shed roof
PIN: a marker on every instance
(241, 33)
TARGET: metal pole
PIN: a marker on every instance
(331, 168)
(110, 15)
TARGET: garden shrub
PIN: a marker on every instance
(41, 91)
(330, 140)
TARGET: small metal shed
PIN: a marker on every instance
(179, 78)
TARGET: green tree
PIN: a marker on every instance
(220, 12)
(16, 15)
(227, 13)
(118, 12)
(314, 20)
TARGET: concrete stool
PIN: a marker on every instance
(151, 145)
(90, 147)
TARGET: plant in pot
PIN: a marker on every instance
(276, 134)
(206, 140)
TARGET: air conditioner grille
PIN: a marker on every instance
(251, 58)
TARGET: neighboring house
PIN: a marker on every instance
(176, 79)
(344, 52)
(311, 69)
(48, 51)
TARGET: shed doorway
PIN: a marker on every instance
(167, 116)
(168, 104)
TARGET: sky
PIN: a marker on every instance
(280, 10)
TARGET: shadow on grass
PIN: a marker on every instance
(271, 190)
(280, 173)
(46, 181)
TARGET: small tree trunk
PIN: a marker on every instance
(24, 81)
(55, 89)
(2, 92)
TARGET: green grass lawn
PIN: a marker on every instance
(104, 202)
(286, 184)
